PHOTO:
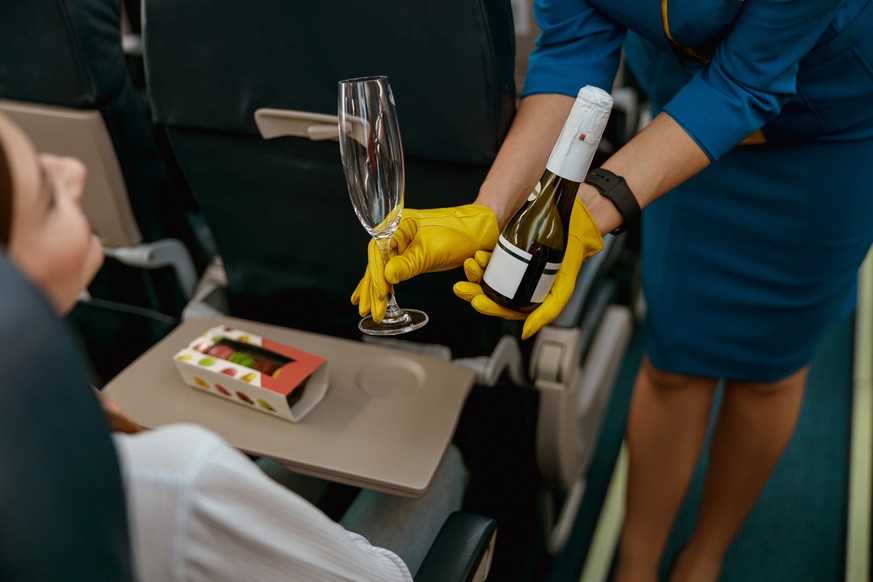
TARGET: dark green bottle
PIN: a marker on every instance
(531, 247)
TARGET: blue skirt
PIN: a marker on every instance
(746, 265)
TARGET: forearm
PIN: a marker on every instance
(658, 159)
(524, 153)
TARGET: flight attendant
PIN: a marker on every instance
(755, 178)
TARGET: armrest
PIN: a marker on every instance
(462, 550)
(286, 122)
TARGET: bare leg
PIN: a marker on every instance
(755, 423)
(666, 429)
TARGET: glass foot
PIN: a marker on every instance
(409, 320)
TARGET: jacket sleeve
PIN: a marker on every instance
(752, 74)
(577, 46)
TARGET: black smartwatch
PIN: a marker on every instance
(616, 189)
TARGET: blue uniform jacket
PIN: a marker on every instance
(796, 70)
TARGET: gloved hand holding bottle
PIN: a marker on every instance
(534, 267)
(584, 240)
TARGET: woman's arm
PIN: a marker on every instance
(658, 159)
(524, 153)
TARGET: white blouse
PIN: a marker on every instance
(201, 510)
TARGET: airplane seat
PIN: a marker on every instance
(247, 95)
(62, 509)
(64, 80)
(279, 209)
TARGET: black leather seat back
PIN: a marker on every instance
(279, 209)
(69, 53)
(211, 64)
(64, 80)
(62, 506)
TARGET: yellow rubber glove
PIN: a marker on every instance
(426, 241)
(371, 293)
(583, 241)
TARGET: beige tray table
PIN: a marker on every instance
(384, 424)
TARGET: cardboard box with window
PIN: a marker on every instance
(254, 371)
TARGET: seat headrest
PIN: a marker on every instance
(211, 63)
(62, 506)
(64, 52)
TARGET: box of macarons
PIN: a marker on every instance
(254, 371)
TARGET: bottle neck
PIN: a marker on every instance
(576, 145)
(563, 192)
(572, 156)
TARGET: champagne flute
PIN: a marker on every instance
(372, 155)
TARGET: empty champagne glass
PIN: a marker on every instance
(372, 155)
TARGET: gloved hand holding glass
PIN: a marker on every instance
(372, 155)
(426, 241)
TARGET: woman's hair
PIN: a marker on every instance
(5, 198)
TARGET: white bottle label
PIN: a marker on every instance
(507, 267)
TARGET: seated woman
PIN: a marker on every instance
(198, 508)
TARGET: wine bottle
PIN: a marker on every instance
(531, 247)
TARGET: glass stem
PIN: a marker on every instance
(393, 313)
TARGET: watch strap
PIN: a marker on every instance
(616, 189)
